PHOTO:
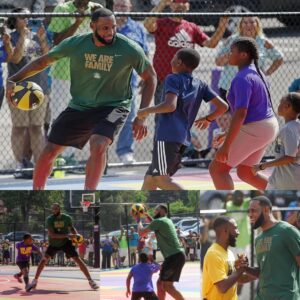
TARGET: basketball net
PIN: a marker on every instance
(85, 205)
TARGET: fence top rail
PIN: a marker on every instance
(155, 14)
(224, 211)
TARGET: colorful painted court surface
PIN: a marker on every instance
(63, 283)
(124, 179)
(113, 283)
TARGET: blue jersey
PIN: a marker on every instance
(175, 126)
(136, 32)
(3, 57)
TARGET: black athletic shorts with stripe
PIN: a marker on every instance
(74, 127)
(166, 158)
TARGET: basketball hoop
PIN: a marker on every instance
(85, 205)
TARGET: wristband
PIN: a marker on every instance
(261, 167)
(208, 120)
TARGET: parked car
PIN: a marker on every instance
(186, 223)
(18, 236)
(38, 237)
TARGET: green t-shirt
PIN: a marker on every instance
(123, 242)
(242, 222)
(100, 76)
(276, 249)
(61, 69)
(166, 236)
(59, 224)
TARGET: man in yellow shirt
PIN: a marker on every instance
(220, 276)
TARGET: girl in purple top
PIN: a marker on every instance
(25, 249)
(253, 126)
(142, 275)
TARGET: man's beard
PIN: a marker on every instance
(260, 221)
(56, 214)
(102, 40)
(232, 240)
(157, 216)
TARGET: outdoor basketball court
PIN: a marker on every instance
(123, 179)
(113, 283)
(54, 283)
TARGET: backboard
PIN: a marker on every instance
(76, 197)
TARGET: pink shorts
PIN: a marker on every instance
(251, 142)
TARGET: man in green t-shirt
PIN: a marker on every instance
(277, 252)
(101, 65)
(173, 253)
(61, 231)
(62, 28)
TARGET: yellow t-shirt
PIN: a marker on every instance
(218, 265)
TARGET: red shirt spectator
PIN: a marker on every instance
(170, 36)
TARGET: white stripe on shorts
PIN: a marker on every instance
(162, 162)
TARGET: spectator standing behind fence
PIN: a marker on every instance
(277, 250)
(5, 56)
(253, 126)
(107, 250)
(133, 242)
(62, 28)
(286, 172)
(5, 252)
(136, 32)
(123, 245)
(174, 33)
(27, 136)
(115, 254)
(268, 53)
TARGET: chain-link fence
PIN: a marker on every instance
(23, 134)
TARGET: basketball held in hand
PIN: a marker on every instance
(27, 95)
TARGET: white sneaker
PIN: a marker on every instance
(127, 158)
(31, 285)
(93, 285)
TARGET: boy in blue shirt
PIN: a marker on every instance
(182, 96)
(142, 276)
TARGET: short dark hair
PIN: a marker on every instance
(294, 99)
(143, 258)
(221, 221)
(190, 57)
(26, 236)
(264, 201)
(164, 207)
(12, 21)
(101, 12)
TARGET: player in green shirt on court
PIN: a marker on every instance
(173, 253)
(59, 226)
(101, 65)
(277, 250)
